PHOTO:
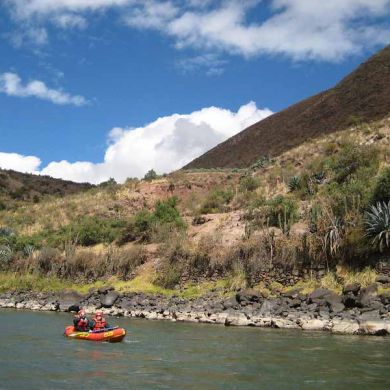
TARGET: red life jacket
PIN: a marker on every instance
(100, 324)
(82, 324)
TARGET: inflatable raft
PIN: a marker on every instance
(112, 335)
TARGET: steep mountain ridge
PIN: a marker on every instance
(362, 96)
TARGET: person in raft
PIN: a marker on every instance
(99, 322)
(81, 322)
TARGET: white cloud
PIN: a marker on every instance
(11, 85)
(69, 20)
(18, 162)
(211, 62)
(27, 8)
(300, 29)
(166, 144)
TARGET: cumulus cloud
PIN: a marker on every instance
(11, 85)
(300, 29)
(18, 162)
(165, 144)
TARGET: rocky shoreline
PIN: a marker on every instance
(356, 311)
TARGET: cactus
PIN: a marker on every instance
(377, 222)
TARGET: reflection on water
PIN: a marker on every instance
(164, 355)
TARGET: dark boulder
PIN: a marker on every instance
(107, 300)
(248, 295)
(294, 303)
(351, 288)
(319, 293)
(70, 301)
(333, 298)
(229, 303)
(267, 307)
(336, 307)
(383, 279)
(385, 297)
(295, 293)
(367, 295)
(105, 289)
(350, 300)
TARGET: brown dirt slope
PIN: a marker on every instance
(364, 95)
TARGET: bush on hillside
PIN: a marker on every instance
(249, 184)
(281, 211)
(147, 225)
(217, 201)
(381, 192)
(350, 159)
(150, 175)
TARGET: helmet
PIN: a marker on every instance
(99, 314)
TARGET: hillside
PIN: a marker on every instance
(194, 231)
(362, 96)
(16, 186)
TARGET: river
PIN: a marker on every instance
(166, 355)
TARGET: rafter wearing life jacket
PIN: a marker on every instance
(81, 322)
(99, 321)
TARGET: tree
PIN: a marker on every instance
(150, 175)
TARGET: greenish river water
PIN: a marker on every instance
(165, 355)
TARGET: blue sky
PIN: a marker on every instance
(83, 83)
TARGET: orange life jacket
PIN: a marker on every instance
(100, 324)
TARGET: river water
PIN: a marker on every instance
(166, 355)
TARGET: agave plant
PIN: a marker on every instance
(377, 222)
(294, 183)
(5, 255)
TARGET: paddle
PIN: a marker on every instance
(104, 330)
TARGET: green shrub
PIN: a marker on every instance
(95, 230)
(350, 159)
(150, 175)
(168, 278)
(249, 183)
(381, 192)
(147, 225)
(281, 211)
(217, 201)
(262, 162)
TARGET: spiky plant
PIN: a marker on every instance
(334, 236)
(294, 183)
(5, 255)
(377, 220)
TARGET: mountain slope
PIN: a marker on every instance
(364, 95)
(24, 186)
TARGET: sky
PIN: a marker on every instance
(93, 89)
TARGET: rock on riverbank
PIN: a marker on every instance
(357, 311)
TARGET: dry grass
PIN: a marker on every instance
(365, 277)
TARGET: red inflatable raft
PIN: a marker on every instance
(112, 335)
